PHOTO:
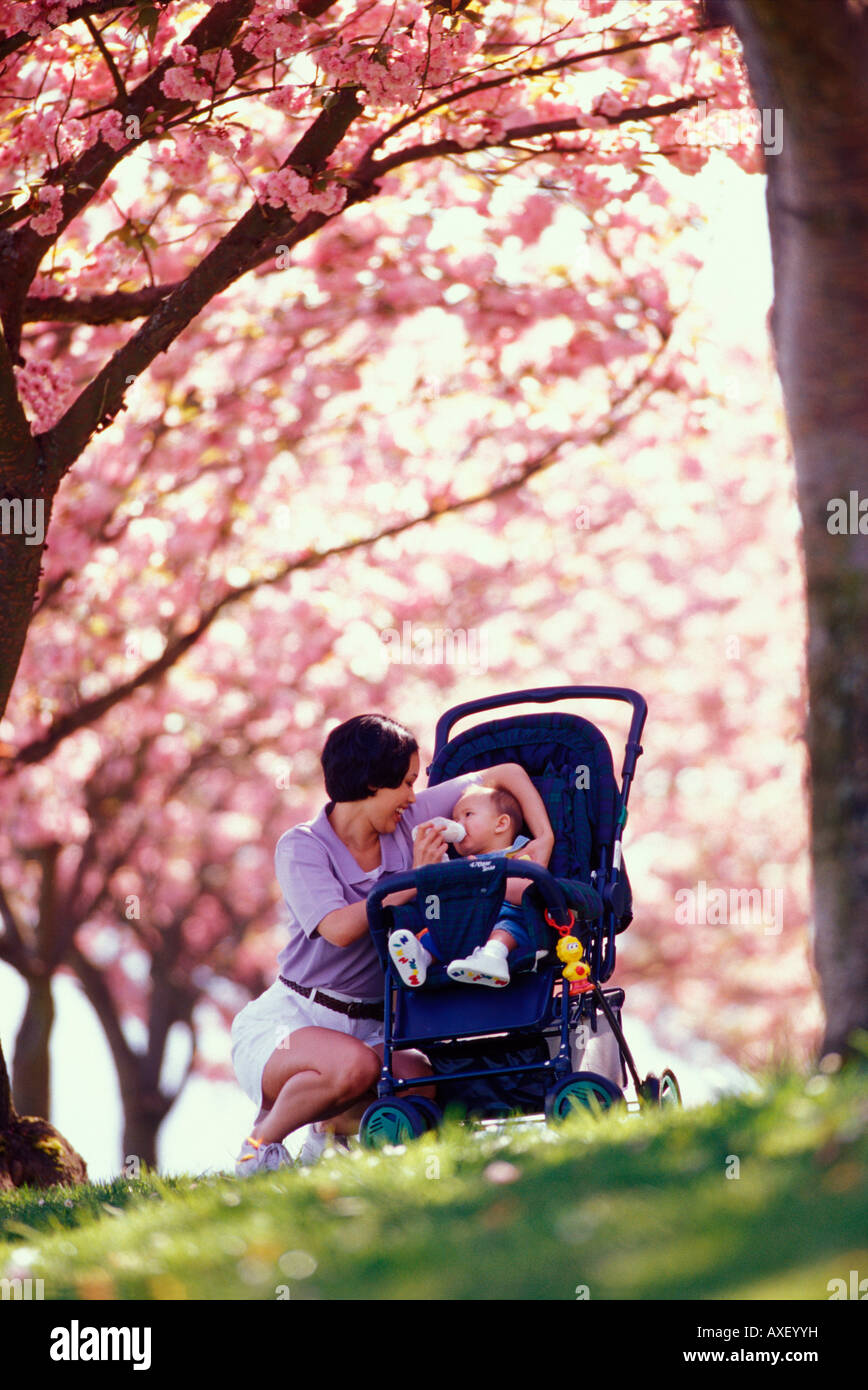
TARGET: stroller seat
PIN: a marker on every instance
(459, 903)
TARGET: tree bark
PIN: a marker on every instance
(142, 1119)
(22, 480)
(32, 1152)
(811, 62)
(30, 1062)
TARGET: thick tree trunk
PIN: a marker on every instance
(31, 1066)
(30, 1062)
(6, 1106)
(26, 497)
(811, 62)
(143, 1115)
(20, 566)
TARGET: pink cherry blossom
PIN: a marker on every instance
(286, 188)
(51, 201)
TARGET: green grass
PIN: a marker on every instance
(633, 1207)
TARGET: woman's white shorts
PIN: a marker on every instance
(266, 1022)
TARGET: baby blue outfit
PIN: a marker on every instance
(511, 917)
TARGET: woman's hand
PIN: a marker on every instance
(398, 899)
(429, 847)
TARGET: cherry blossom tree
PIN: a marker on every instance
(344, 226)
(115, 115)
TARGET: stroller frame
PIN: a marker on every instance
(538, 1014)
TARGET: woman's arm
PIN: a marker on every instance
(514, 778)
(347, 924)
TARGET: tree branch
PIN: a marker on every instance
(376, 169)
(93, 710)
(83, 176)
(127, 305)
(121, 306)
(108, 60)
(504, 79)
(14, 42)
(233, 255)
(80, 179)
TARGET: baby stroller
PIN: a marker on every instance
(515, 1050)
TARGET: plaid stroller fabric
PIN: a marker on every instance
(460, 914)
(570, 764)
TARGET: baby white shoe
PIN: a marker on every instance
(486, 965)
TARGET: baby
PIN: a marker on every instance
(491, 818)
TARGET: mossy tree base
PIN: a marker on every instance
(32, 1152)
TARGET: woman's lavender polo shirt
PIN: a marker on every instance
(318, 874)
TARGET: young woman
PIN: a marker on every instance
(309, 1050)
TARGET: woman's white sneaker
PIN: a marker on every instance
(317, 1141)
(256, 1157)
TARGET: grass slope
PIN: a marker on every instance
(632, 1206)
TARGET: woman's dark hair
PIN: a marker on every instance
(369, 751)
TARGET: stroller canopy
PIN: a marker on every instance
(570, 763)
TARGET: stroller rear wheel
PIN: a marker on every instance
(582, 1090)
(670, 1091)
(391, 1122)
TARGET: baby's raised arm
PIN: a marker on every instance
(514, 778)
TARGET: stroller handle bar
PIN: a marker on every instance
(428, 876)
(545, 695)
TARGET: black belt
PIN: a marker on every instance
(352, 1008)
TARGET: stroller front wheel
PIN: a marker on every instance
(391, 1122)
(582, 1090)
